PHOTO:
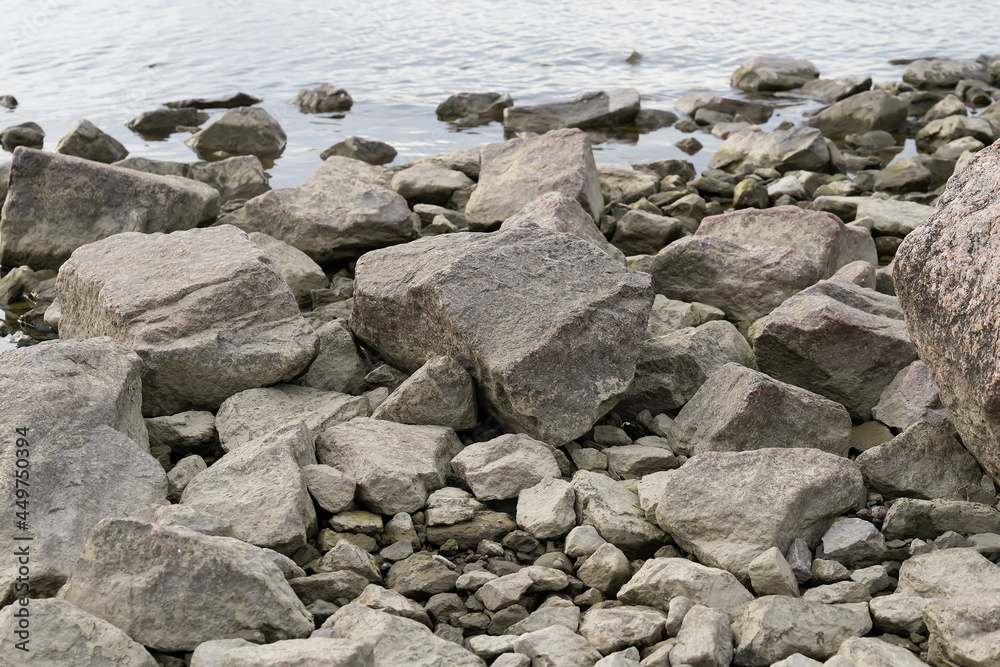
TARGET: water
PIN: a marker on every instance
(109, 60)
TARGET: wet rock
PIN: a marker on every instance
(561, 213)
(231, 586)
(224, 102)
(518, 171)
(689, 145)
(799, 341)
(672, 368)
(943, 73)
(89, 142)
(235, 178)
(301, 273)
(800, 147)
(863, 112)
(729, 507)
(638, 232)
(924, 461)
(324, 98)
(395, 465)
(661, 579)
(610, 630)
(775, 627)
(943, 275)
(22, 134)
(851, 540)
(770, 574)
(557, 646)
(949, 574)
(86, 202)
(359, 148)
(8, 101)
(594, 110)
(62, 634)
(926, 519)
(503, 467)
(240, 131)
(338, 366)
(964, 632)
(103, 289)
(834, 90)
(439, 393)
(163, 122)
(755, 112)
(516, 360)
(613, 509)
(650, 120)
(471, 109)
(704, 639)
(763, 73)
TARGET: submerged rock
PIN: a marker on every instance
(596, 110)
(470, 109)
(227, 102)
(166, 121)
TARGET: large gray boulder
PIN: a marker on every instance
(965, 631)
(87, 141)
(739, 409)
(595, 110)
(170, 588)
(240, 131)
(943, 73)
(205, 309)
(565, 300)
(56, 203)
(947, 282)
(562, 213)
(821, 236)
(745, 282)
(518, 171)
(661, 579)
(800, 147)
(240, 177)
(864, 112)
(764, 73)
(838, 340)
(727, 508)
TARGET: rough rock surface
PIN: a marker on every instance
(546, 510)
(594, 110)
(763, 73)
(567, 300)
(613, 509)
(325, 651)
(661, 579)
(217, 319)
(503, 467)
(338, 366)
(966, 632)
(910, 398)
(240, 177)
(87, 141)
(864, 112)
(562, 213)
(240, 131)
(439, 393)
(301, 273)
(800, 147)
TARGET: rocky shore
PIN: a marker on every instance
(507, 406)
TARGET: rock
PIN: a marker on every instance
(940, 248)
(926, 519)
(87, 141)
(770, 574)
(103, 289)
(863, 112)
(224, 102)
(338, 366)
(230, 586)
(259, 488)
(451, 505)
(504, 591)
(704, 639)
(311, 651)
(740, 409)
(583, 541)
(755, 112)
(516, 360)
(892, 217)
(28, 134)
(799, 558)
(875, 578)
(636, 461)
(518, 171)
(671, 368)
(163, 122)
(775, 627)
(429, 183)
(348, 557)
(964, 632)
(439, 393)
(397, 641)
(640, 233)
(61, 634)
(606, 569)
(829, 571)
(182, 473)
(484, 525)
(861, 273)
(240, 131)
(301, 273)
(834, 90)
(190, 432)
(253, 413)
(553, 611)
(561, 213)
(87, 202)
(763, 73)
(421, 575)
(613, 509)
(661, 579)
(471, 109)
(670, 315)
(594, 110)
(187, 517)
(750, 193)
(924, 461)
(623, 183)
(610, 630)
(240, 177)
(851, 540)
(800, 147)
(503, 467)
(785, 186)
(769, 496)
(943, 73)
(8, 101)
(949, 574)
(950, 105)
(395, 465)
(557, 646)
(488, 648)
(898, 614)
(799, 341)
(821, 236)
(871, 652)
(324, 98)
(358, 148)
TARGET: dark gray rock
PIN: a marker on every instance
(162, 122)
(324, 98)
(89, 142)
(470, 109)
(225, 102)
(23, 134)
(763, 73)
(240, 131)
(864, 112)
(595, 110)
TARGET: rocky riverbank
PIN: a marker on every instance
(505, 405)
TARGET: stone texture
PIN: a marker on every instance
(770, 574)
(332, 489)
(557, 646)
(613, 509)
(568, 300)
(639, 232)
(910, 398)
(240, 131)
(236, 178)
(607, 570)
(86, 140)
(469, 109)
(851, 540)
(871, 652)
(965, 632)
(562, 213)
(704, 639)
(301, 273)
(592, 110)
(892, 217)
(439, 393)
(763, 73)
(501, 468)
(610, 630)
(863, 112)
(949, 574)
(324, 651)
(546, 510)
(359, 148)
(670, 315)
(927, 519)
(160, 123)
(800, 147)
(338, 366)
(661, 579)
(942, 72)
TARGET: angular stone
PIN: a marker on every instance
(639, 232)
(128, 575)
(739, 409)
(704, 639)
(891, 217)
(729, 507)
(438, 296)
(86, 140)
(833, 90)
(338, 366)
(240, 131)
(871, 652)
(607, 570)
(429, 183)
(755, 112)
(439, 393)
(190, 432)
(448, 506)
(557, 646)
(240, 177)
(763, 73)
(469, 109)
(965, 632)
(942, 72)
(583, 541)
(546, 510)
(518, 171)
(484, 525)
(898, 614)
(312, 651)
(501, 468)
(182, 473)
(670, 315)
(301, 273)
(941, 132)
(593, 110)
(927, 519)
(863, 112)
(614, 511)
(802, 342)
(800, 147)
(637, 461)
(770, 574)
(562, 213)
(661, 579)
(359, 148)
(949, 574)
(610, 630)
(910, 398)
(861, 273)
(504, 591)
(851, 540)
(188, 517)
(163, 122)
(332, 489)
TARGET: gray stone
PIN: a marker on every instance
(592, 110)
(518, 171)
(585, 302)
(338, 366)
(501, 468)
(641, 233)
(949, 574)
(670, 315)
(851, 540)
(926, 519)
(421, 576)
(894, 218)
(235, 178)
(190, 432)
(547, 509)
(557, 646)
(240, 131)
(553, 611)
(770, 574)
(729, 507)
(623, 183)
(838, 593)
(429, 183)
(613, 509)
(964, 632)
(376, 597)
(87, 141)
(222, 102)
(863, 112)
(829, 571)
(875, 578)
(610, 630)
(324, 98)
(327, 586)
(484, 525)
(182, 474)
(755, 112)
(899, 614)
(583, 541)
(704, 639)
(188, 517)
(861, 273)
(833, 90)
(450, 505)
(358, 148)
(315, 650)
(469, 109)
(332, 489)
(636, 461)
(739, 409)
(799, 558)
(348, 557)
(763, 73)
(504, 591)
(942, 72)
(607, 570)
(163, 122)
(661, 579)
(439, 393)
(871, 652)
(938, 133)
(562, 213)
(800, 147)
(30, 135)
(301, 273)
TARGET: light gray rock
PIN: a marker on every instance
(518, 171)
(324, 98)
(861, 273)
(46, 217)
(625, 184)
(739, 409)
(191, 432)
(592, 110)
(338, 366)
(838, 593)
(770, 574)
(562, 213)
(429, 183)
(613, 509)
(704, 639)
(769, 496)
(763, 73)
(755, 112)
(828, 571)
(182, 473)
(670, 315)
(942, 72)
(637, 461)
(583, 541)
(240, 131)
(801, 341)
(328, 586)
(547, 509)
(871, 652)
(927, 519)
(641, 233)
(899, 614)
(439, 393)
(863, 112)
(891, 217)
(874, 577)
(943, 131)
(188, 517)
(128, 571)
(395, 465)
(236, 178)
(607, 570)
(484, 525)
(964, 632)
(348, 557)
(661, 579)
(610, 630)
(833, 90)
(553, 611)
(851, 540)
(910, 398)
(421, 576)
(504, 591)
(438, 296)
(450, 505)
(800, 147)
(503, 467)
(489, 648)
(557, 646)
(301, 273)
(87, 141)
(949, 574)
(332, 489)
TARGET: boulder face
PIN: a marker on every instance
(217, 319)
(800, 147)
(518, 171)
(562, 213)
(57, 203)
(240, 131)
(947, 278)
(599, 110)
(821, 236)
(864, 112)
(763, 73)
(552, 349)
